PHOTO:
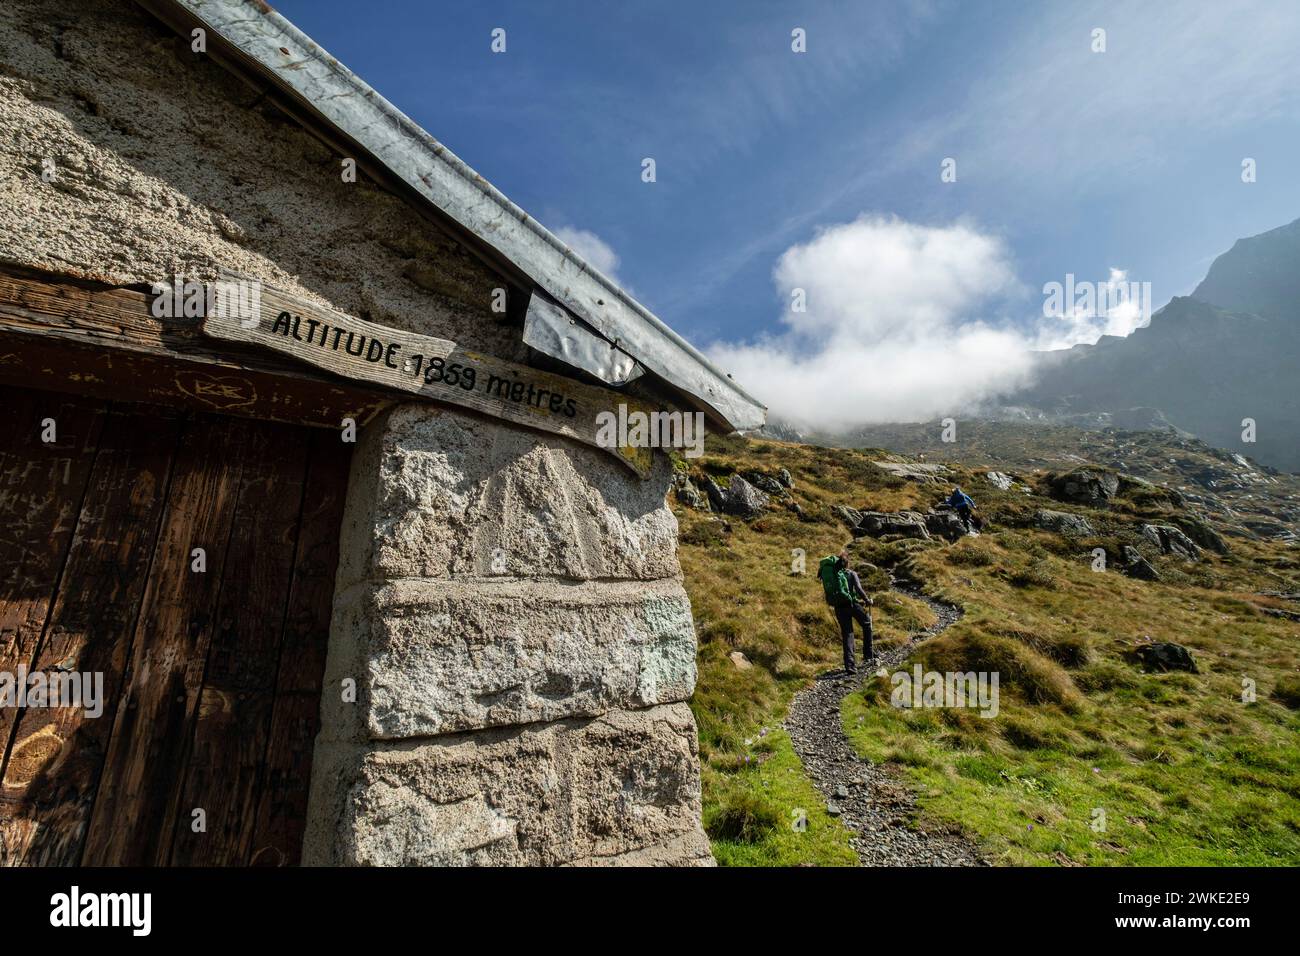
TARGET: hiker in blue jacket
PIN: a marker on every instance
(961, 503)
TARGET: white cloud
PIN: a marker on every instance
(596, 251)
(882, 277)
(898, 326)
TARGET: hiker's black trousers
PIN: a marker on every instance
(845, 615)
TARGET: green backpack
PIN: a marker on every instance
(834, 583)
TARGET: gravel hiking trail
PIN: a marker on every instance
(872, 800)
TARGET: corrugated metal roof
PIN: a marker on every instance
(293, 62)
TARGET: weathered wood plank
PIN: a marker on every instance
(136, 807)
(282, 810)
(432, 368)
(60, 308)
(240, 377)
(84, 365)
(224, 765)
(46, 799)
(41, 487)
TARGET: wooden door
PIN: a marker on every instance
(187, 560)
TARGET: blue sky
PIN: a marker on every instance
(821, 170)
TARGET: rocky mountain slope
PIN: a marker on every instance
(1247, 498)
(1148, 710)
(1228, 352)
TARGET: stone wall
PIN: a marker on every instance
(510, 608)
(166, 163)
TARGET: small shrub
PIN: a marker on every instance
(1034, 576)
(1069, 650)
(1287, 691)
(1034, 676)
(1027, 735)
(742, 816)
(970, 556)
(1106, 675)
(726, 631)
(703, 533)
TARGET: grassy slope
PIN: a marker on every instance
(1184, 771)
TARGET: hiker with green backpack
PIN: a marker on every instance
(849, 601)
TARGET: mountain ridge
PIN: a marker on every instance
(1212, 362)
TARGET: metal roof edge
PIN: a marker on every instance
(297, 64)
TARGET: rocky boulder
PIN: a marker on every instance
(1084, 486)
(1136, 566)
(1203, 534)
(688, 494)
(1171, 540)
(850, 516)
(1140, 489)
(876, 524)
(783, 476)
(945, 524)
(1064, 523)
(765, 483)
(999, 481)
(744, 500)
(717, 495)
(1166, 656)
(914, 471)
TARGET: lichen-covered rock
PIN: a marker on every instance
(494, 578)
(999, 481)
(716, 494)
(744, 500)
(765, 483)
(1062, 522)
(1171, 540)
(689, 495)
(876, 524)
(740, 499)
(1166, 656)
(946, 524)
(622, 787)
(926, 473)
(1136, 566)
(1085, 486)
(1203, 534)
(850, 516)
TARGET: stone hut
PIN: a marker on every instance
(397, 605)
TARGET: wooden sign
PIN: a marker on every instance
(428, 367)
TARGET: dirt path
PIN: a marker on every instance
(870, 799)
